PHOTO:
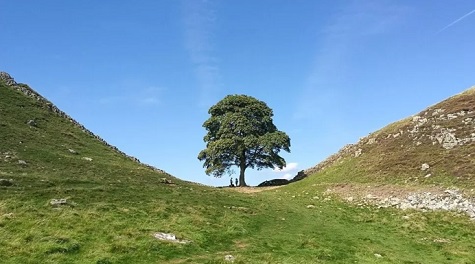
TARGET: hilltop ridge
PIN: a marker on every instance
(46, 104)
(434, 146)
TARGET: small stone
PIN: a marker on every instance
(166, 181)
(229, 258)
(350, 199)
(165, 236)
(378, 255)
(72, 151)
(9, 215)
(87, 158)
(22, 162)
(310, 206)
(441, 240)
(428, 175)
(425, 167)
(170, 237)
(58, 202)
(31, 123)
(371, 141)
(370, 196)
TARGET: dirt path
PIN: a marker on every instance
(252, 189)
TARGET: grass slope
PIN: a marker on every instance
(115, 205)
(442, 136)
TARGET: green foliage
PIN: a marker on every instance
(241, 133)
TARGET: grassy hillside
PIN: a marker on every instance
(442, 136)
(114, 205)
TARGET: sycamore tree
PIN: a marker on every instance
(241, 133)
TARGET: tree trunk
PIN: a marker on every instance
(242, 167)
(242, 182)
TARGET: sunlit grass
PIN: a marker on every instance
(116, 205)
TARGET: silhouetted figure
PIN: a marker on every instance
(231, 182)
(236, 181)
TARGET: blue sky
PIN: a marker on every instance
(143, 74)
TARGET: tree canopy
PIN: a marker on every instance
(241, 132)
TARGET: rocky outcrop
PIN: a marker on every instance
(7, 78)
(26, 90)
(450, 200)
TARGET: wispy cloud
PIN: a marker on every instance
(288, 171)
(199, 19)
(288, 176)
(456, 21)
(355, 23)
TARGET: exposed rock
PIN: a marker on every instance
(9, 215)
(7, 78)
(72, 151)
(450, 200)
(371, 141)
(58, 202)
(229, 258)
(310, 206)
(437, 112)
(87, 158)
(358, 153)
(166, 181)
(446, 138)
(441, 240)
(170, 237)
(31, 123)
(425, 167)
(22, 162)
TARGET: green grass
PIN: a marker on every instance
(115, 206)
